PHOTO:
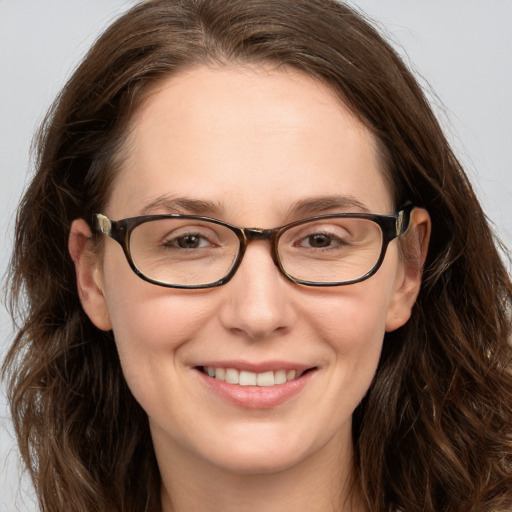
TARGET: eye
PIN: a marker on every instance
(165, 236)
(188, 241)
(320, 240)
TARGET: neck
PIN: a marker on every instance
(322, 483)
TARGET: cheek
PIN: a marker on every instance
(353, 318)
(151, 326)
(351, 323)
(355, 335)
(145, 317)
(151, 323)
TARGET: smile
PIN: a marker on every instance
(246, 378)
(256, 386)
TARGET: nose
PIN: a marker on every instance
(257, 304)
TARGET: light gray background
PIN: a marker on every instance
(462, 48)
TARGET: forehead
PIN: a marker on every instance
(249, 139)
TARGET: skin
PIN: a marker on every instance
(255, 142)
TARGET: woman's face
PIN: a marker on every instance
(255, 147)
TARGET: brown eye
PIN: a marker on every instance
(188, 241)
(319, 240)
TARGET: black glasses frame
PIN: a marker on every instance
(392, 226)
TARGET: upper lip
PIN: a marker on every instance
(260, 367)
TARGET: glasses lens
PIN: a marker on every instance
(331, 250)
(183, 252)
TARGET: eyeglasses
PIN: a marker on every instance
(190, 251)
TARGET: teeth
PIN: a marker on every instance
(291, 375)
(245, 378)
(232, 376)
(280, 377)
(265, 379)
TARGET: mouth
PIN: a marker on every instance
(247, 378)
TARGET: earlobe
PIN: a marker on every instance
(408, 284)
(88, 275)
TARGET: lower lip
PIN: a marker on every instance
(257, 397)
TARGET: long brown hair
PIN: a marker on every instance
(434, 432)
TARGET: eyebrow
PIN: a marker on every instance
(318, 205)
(183, 205)
(310, 206)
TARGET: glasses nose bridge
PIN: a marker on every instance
(255, 234)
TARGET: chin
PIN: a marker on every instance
(264, 454)
(266, 463)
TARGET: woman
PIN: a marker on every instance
(257, 277)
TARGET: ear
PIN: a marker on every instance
(89, 276)
(408, 281)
